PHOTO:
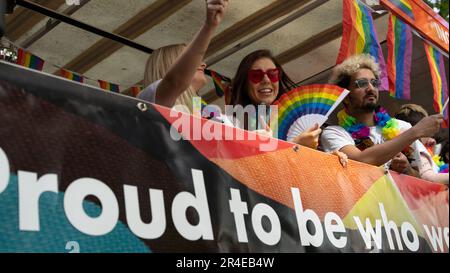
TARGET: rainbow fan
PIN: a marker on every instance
(303, 107)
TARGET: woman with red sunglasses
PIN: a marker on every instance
(260, 79)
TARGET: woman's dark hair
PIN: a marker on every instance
(239, 90)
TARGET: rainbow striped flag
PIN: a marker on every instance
(218, 80)
(359, 36)
(135, 90)
(399, 41)
(29, 60)
(436, 64)
(109, 86)
(405, 6)
(71, 75)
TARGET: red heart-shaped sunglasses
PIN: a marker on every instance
(257, 75)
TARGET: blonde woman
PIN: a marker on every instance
(176, 73)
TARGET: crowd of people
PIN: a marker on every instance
(366, 132)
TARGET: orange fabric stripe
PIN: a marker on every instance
(324, 184)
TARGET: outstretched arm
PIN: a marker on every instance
(382, 153)
(180, 75)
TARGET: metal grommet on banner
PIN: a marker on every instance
(142, 106)
(296, 148)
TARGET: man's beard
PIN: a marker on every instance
(369, 107)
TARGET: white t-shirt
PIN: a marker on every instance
(149, 94)
(335, 138)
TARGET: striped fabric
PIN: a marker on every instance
(29, 60)
(399, 39)
(109, 86)
(218, 80)
(71, 75)
(359, 36)
(436, 64)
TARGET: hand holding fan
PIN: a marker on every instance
(301, 108)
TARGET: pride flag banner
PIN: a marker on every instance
(219, 82)
(71, 75)
(25, 58)
(109, 86)
(359, 36)
(197, 190)
(399, 41)
(436, 64)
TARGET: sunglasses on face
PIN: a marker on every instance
(364, 83)
(256, 76)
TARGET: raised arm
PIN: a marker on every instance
(382, 153)
(180, 75)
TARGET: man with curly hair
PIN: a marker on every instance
(366, 132)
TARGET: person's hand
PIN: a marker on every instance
(428, 126)
(215, 11)
(400, 164)
(310, 138)
(428, 142)
(343, 158)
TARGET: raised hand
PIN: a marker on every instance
(429, 126)
(215, 11)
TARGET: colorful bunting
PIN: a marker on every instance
(109, 86)
(29, 60)
(71, 75)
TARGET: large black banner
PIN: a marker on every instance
(86, 170)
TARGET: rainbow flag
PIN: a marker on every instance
(436, 64)
(405, 6)
(29, 60)
(109, 86)
(71, 75)
(359, 36)
(399, 41)
(135, 90)
(218, 80)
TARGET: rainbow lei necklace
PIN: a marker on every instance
(443, 167)
(360, 132)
